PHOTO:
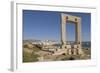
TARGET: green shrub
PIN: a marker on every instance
(29, 57)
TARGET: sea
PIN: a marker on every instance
(86, 44)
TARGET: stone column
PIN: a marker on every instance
(78, 33)
(63, 31)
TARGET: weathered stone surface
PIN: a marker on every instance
(77, 21)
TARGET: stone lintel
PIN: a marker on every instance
(71, 18)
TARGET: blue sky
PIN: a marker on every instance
(46, 25)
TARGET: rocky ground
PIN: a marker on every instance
(85, 56)
(35, 54)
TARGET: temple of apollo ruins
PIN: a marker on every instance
(70, 49)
